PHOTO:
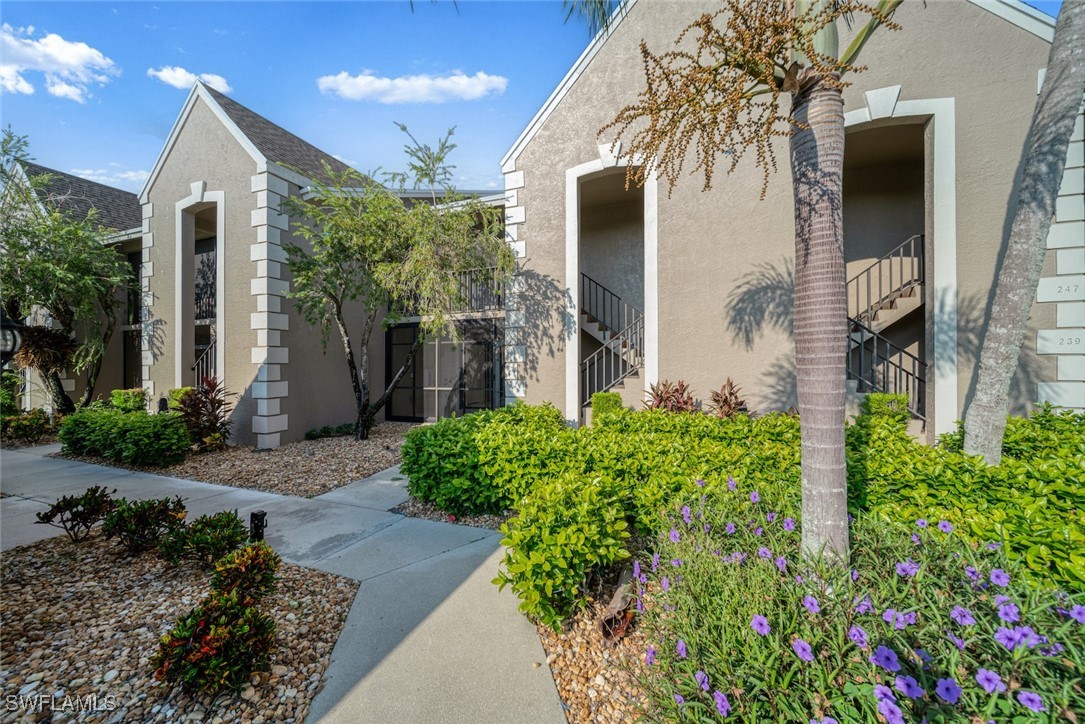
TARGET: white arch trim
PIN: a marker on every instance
(885, 103)
(200, 195)
(608, 158)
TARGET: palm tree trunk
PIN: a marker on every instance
(817, 159)
(1045, 159)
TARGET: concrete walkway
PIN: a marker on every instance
(429, 638)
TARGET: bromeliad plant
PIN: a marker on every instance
(670, 396)
(921, 626)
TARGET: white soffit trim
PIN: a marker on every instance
(1023, 16)
(199, 91)
(581, 64)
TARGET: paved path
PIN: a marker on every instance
(429, 638)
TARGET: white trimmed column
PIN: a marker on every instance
(146, 329)
(269, 321)
(1066, 290)
(515, 316)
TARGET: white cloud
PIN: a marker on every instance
(178, 77)
(456, 86)
(113, 177)
(70, 67)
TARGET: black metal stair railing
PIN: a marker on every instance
(621, 326)
(205, 364)
(881, 366)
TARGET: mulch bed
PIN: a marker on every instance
(83, 620)
(9, 444)
(306, 469)
(421, 509)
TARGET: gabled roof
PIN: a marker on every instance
(276, 143)
(75, 197)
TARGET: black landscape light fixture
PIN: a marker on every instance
(11, 338)
(257, 523)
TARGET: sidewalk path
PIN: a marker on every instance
(429, 638)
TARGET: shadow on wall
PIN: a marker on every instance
(547, 319)
(972, 313)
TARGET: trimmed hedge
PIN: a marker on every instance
(131, 400)
(132, 438)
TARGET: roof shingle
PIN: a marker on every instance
(75, 196)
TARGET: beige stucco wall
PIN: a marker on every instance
(710, 244)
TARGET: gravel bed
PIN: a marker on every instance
(597, 680)
(307, 468)
(84, 620)
(421, 509)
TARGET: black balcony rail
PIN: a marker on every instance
(480, 290)
(205, 363)
(892, 276)
(617, 359)
(605, 307)
(881, 366)
(205, 306)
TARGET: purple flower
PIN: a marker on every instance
(738, 556)
(890, 711)
(758, 530)
(1077, 613)
(957, 640)
(789, 525)
(1009, 613)
(990, 681)
(824, 720)
(770, 517)
(674, 535)
(655, 562)
(1000, 578)
(679, 699)
(676, 562)
(650, 657)
(636, 569)
(730, 528)
(781, 563)
(802, 650)
(687, 517)
(798, 579)
(1031, 700)
(921, 523)
(723, 706)
(764, 552)
(948, 691)
(665, 583)
(707, 527)
(993, 546)
(883, 693)
(811, 604)
(681, 649)
(700, 483)
(760, 624)
(962, 616)
(1052, 650)
(945, 526)
(859, 636)
(640, 605)
(1011, 639)
(907, 569)
(885, 658)
(972, 573)
(731, 485)
(864, 606)
(702, 679)
(909, 687)
(915, 539)
(895, 619)
(1028, 637)
(755, 497)
(854, 575)
(923, 656)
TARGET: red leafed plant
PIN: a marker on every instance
(727, 402)
(670, 396)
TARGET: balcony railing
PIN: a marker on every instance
(480, 290)
(205, 307)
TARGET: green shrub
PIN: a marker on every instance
(11, 389)
(27, 428)
(133, 400)
(216, 646)
(604, 403)
(175, 396)
(566, 528)
(738, 625)
(1047, 433)
(520, 446)
(77, 514)
(206, 540)
(143, 524)
(347, 428)
(884, 404)
(133, 438)
(250, 569)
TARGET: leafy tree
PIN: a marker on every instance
(365, 251)
(720, 93)
(60, 265)
(1042, 168)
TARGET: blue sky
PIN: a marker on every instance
(97, 85)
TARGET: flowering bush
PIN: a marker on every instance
(921, 625)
